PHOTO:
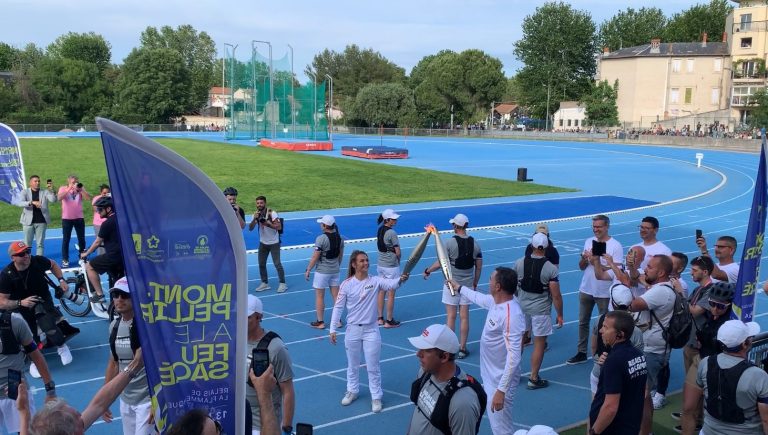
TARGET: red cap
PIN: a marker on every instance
(17, 248)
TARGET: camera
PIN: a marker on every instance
(79, 185)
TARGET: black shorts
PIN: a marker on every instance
(106, 263)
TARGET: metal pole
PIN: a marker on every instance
(293, 99)
(231, 89)
(254, 101)
(490, 120)
(330, 108)
(314, 104)
(271, 81)
(547, 121)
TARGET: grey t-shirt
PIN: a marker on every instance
(281, 364)
(661, 299)
(702, 300)
(535, 304)
(17, 360)
(463, 411)
(464, 277)
(753, 385)
(137, 391)
(325, 265)
(389, 259)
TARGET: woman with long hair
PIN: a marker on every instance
(388, 264)
(358, 293)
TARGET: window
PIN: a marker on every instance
(569, 123)
(576, 122)
(689, 65)
(715, 100)
(742, 94)
(561, 122)
(746, 42)
(674, 96)
(688, 95)
(675, 65)
(745, 22)
(718, 65)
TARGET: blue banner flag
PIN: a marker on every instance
(12, 179)
(186, 266)
(749, 269)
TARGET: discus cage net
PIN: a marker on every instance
(263, 99)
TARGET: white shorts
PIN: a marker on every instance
(453, 300)
(388, 272)
(541, 325)
(9, 416)
(325, 280)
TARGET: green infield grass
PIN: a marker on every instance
(291, 181)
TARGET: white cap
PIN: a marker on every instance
(537, 430)
(621, 295)
(734, 332)
(459, 220)
(436, 336)
(389, 214)
(254, 305)
(121, 285)
(327, 220)
(539, 240)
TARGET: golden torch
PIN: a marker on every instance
(442, 257)
(418, 251)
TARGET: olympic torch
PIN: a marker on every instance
(442, 257)
(418, 251)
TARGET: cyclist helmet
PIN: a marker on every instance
(722, 291)
(104, 202)
(230, 191)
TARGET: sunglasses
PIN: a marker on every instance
(218, 426)
(718, 305)
(22, 254)
(117, 294)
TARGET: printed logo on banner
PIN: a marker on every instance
(202, 247)
(148, 249)
(182, 248)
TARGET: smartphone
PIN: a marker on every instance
(49, 181)
(698, 234)
(303, 429)
(598, 248)
(14, 379)
(259, 361)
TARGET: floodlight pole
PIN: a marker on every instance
(293, 99)
(314, 104)
(271, 81)
(231, 89)
(330, 108)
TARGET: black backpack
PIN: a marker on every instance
(531, 280)
(465, 260)
(440, 418)
(7, 337)
(335, 239)
(133, 335)
(679, 330)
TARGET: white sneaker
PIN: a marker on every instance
(376, 405)
(263, 286)
(658, 401)
(33, 371)
(282, 287)
(65, 354)
(348, 398)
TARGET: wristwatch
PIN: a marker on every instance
(50, 389)
(287, 429)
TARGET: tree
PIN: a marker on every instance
(8, 56)
(630, 27)
(387, 104)
(198, 54)
(558, 52)
(353, 69)
(88, 47)
(601, 108)
(758, 116)
(466, 82)
(688, 26)
(152, 87)
(75, 86)
(512, 92)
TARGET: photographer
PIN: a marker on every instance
(231, 194)
(270, 226)
(71, 197)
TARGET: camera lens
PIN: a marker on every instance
(79, 185)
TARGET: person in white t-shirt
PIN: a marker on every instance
(270, 226)
(726, 269)
(591, 290)
(500, 345)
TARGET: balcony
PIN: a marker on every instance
(753, 26)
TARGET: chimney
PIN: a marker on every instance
(606, 50)
(655, 44)
(725, 36)
(704, 39)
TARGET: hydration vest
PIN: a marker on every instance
(440, 418)
(721, 391)
(335, 239)
(132, 334)
(531, 279)
(380, 240)
(10, 343)
(465, 260)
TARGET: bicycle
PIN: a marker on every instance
(82, 299)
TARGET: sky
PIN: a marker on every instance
(403, 31)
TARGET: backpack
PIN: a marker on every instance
(382, 247)
(335, 239)
(465, 260)
(7, 337)
(282, 226)
(133, 335)
(263, 344)
(531, 279)
(679, 330)
(440, 418)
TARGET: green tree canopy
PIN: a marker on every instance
(152, 87)
(387, 104)
(600, 104)
(353, 69)
(558, 52)
(632, 27)
(87, 47)
(758, 116)
(688, 25)
(75, 86)
(198, 54)
(8, 56)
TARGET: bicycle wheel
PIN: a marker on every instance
(81, 309)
